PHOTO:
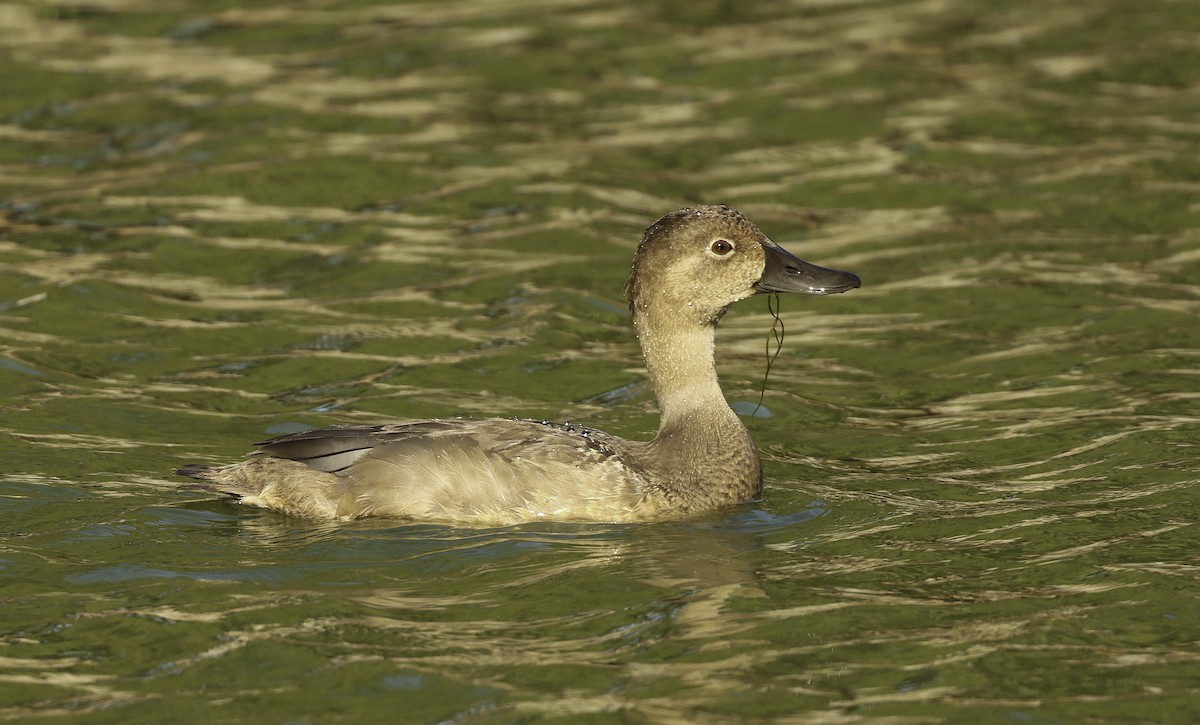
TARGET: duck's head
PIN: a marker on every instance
(700, 260)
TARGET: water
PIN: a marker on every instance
(224, 221)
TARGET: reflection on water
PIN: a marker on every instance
(218, 224)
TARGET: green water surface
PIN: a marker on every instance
(222, 220)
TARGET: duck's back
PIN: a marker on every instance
(488, 471)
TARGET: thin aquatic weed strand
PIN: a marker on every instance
(777, 333)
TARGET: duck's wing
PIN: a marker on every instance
(336, 448)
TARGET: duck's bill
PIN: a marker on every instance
(786, 273)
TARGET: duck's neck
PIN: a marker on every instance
(679, 356)
(701, 443)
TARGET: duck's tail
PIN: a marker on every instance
(286, 486)
(195, 471)
(215, 478)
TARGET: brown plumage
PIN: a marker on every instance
(690, 266)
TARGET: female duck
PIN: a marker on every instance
(690, 266)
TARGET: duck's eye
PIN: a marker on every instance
(721, 247)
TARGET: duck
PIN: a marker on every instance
(689, 268)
